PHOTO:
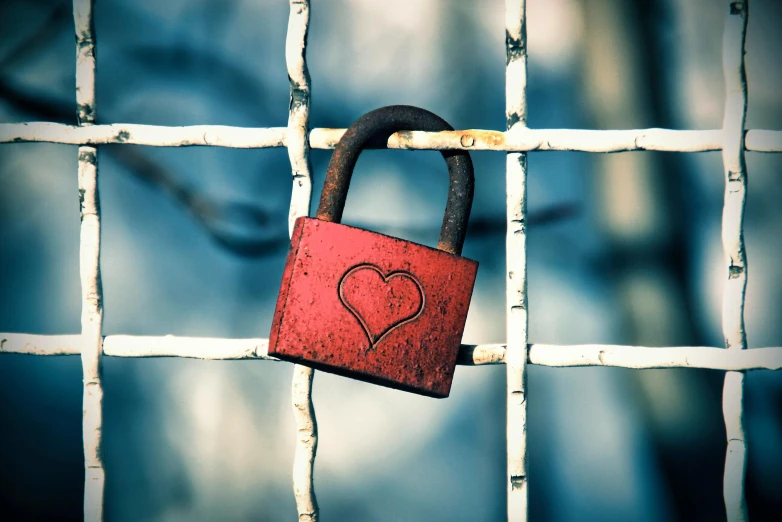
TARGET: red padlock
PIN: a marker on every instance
(369, 306)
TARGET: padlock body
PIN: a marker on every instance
(372, 307)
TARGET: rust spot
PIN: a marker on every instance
(92, 301)
(513, 119)
(86, 44)
(299, 97)
(89, 157)
(735, 271)
(517, 481)
(514, 48)
(85, 113)
(405, 138)
(491, 138)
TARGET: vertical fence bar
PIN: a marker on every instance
(298, 152)
(516, 261)
(89, 267)
(735, 255)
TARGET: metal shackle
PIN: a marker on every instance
(374, 128)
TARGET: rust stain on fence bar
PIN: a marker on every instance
(476, 139)
(518, 140)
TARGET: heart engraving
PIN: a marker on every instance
(381, 302)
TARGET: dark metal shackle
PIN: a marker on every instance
(374, 128)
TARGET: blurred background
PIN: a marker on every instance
(623, 248)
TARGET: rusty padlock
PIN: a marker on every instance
(370, 306)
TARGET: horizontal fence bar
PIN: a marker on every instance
(644, 358)
(517, 140)
(152, 135)
(140, 346)
(635, 357)
(191, 347)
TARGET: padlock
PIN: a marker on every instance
(369, 306)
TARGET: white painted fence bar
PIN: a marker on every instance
(89, 266)
(35, 344)
(735, 254)
(191, 347)
(298, 152)
(151, 135)
(562, 356)
(519, 140)
(516, 263)
(732, 140)
(648, 358)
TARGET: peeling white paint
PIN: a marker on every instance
(520, 139)
(516, 263)
(735, 255)
(298, 152)
(561, 356)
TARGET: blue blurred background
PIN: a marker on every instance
(623, 248)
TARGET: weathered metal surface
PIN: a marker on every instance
(373, 129)
(518, 140)
(372, 307)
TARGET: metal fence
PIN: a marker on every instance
(733, 140)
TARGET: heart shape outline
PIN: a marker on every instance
(386, 278)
